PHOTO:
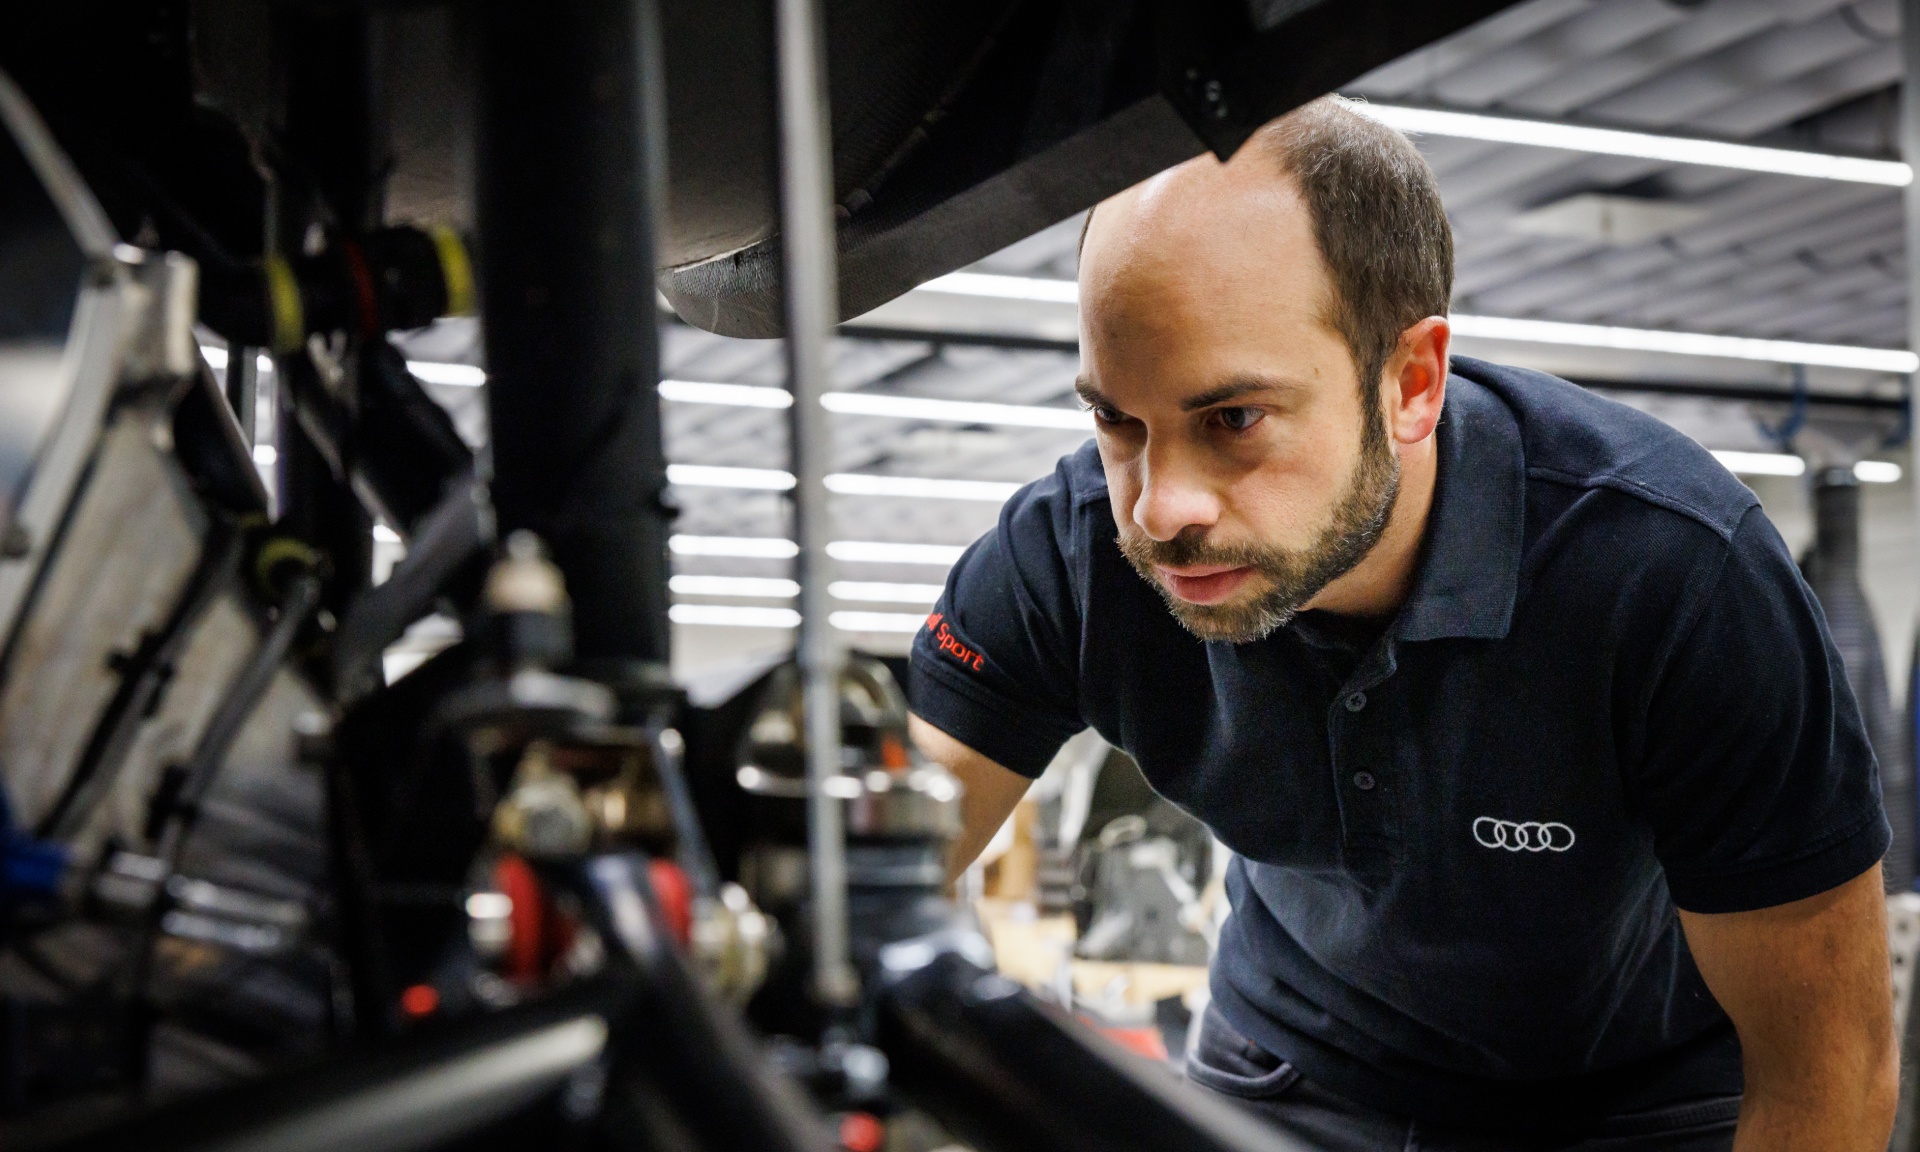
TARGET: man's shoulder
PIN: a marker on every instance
(1575, 438)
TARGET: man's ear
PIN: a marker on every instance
(1416, 384)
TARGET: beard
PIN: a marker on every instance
(1284, 579)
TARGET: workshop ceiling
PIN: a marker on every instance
(1542, 233)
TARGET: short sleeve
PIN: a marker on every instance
(1759, 780)
(996, 664)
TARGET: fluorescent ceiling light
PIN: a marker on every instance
(876, 621)
(1761, 463)
(746, 616)
(1049, 291)
(752, 547)
(735, 395)
(843, 483)
(874, 552)
(883, 593)
(779, 548)
(1685, 343)
(1643, 145)
(957, 411)
(733, 616)
(864, 404)
(769, 588)
(708, 476)
(1876, 472)
(1894, 360)
(459, 375)
(919, 487)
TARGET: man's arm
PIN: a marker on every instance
(990, 791)
(1809, 988)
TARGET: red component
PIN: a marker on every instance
(526, 956)
(862, 1132)
(364, 296)
(1146, 1041)
(674, 894)
(420, 1001)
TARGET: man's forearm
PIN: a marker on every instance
(1808, 987)
(1821, 1112)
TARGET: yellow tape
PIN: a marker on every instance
(282, 550)
(283, 301)
(456, 270)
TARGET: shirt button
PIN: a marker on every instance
(1363, 781)
(1356, 701)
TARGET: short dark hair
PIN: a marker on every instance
(1377, 217)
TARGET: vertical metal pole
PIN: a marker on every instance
(811, 296)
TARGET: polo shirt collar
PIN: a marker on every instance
(1470, 560)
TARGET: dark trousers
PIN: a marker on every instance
(1228, 1063)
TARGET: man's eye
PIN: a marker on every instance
(1106, 415)
(1237, 419)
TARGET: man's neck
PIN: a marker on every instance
(1383, 580)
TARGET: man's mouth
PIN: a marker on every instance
(1203, 583)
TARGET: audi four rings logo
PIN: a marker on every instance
(1530, 836)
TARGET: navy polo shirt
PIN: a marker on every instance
(1458, 852)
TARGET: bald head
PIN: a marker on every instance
(1371, 208)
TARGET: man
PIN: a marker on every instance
(1554, 820)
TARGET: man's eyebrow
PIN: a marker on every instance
(1234, 390)
(1089, 395)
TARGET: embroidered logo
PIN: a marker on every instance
(1530, 836)
(951, 645)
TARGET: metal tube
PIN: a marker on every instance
(566, 267)
(811, 297)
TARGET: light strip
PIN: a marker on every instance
(1046, 291)
(759, 586)
(1877, 472)
(956, 411)
(779, 548)
(1685, 343)
(877, 592)
(842, 483)
(747, 616)
(1895, 360)
(876, 621)
(733, 615)
(919, 487)
(709, 476)
(1642, 145)
(873, 552)
(734, 395)
(749, 547)
(1761, 463)
(866, 404)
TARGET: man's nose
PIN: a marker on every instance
(1173, 498)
